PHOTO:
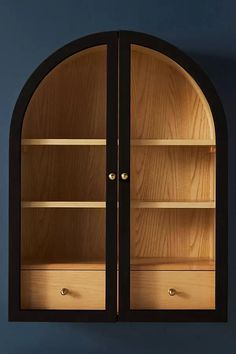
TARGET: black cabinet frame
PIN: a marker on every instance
(118, 79)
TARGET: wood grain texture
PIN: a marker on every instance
(135, 142)
(172, 174)
(171, 263)
(175, 142)
(171, 205)
(184, 233)
(166, 103)
(142, 205)
(70, 102)
(144, 263)
(54, 204)
(194, 290)
(92, 264)
(63, 173)
(63, 142)
(62, 235)
(41, 290)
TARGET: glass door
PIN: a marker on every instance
(167, 188)
(172, 229)
(68, 187)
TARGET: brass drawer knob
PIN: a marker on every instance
(124, 176)
(112, 176)
(171, 292)
(64, 291)
(212, 149)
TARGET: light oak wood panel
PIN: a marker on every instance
(172, 174)
(148, 263)
(135, 142)
(143, 205)
(166, 103)
(54, 204)
(41, 290)
(171, 263)
(70, 102)
(92, 264)
(194, 290)
(173, 205)
(63, 173)
(184, 233)
(63, 142)
(175, 142)
(59, 235)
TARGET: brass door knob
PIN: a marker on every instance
(112, 176)
(124, 176)
(64, 291)
(171, 292)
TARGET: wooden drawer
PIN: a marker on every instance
(41, 289)
(194, 289)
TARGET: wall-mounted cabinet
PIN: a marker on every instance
(118, 187)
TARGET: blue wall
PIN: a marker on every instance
(29, 32)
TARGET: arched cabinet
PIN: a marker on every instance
(118, 187)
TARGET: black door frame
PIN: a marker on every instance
(110, 313)
(125, 313)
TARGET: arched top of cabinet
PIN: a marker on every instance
(165, 94)
(70, 101)
(182, 73)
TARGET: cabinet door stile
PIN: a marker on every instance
(124, 168)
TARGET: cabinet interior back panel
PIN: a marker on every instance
(172, 174)
(62, 235)
(165, 102)
(173, 233)
(70, 102)
(57, 173)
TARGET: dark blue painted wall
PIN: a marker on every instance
(29, 32)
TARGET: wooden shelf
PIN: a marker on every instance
(55, 204)
(135, 205)
(172, 263)
(63, 142)
(97, 264)
(172, 205)
(172, 142)
(148, 263)
(134, 142)
(141, 205)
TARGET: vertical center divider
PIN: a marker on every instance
(111, 185)
(124, 167)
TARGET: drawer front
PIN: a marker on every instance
(191, 290)
(83, 290)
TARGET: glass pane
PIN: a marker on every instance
(63, 189)
(172, 180)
